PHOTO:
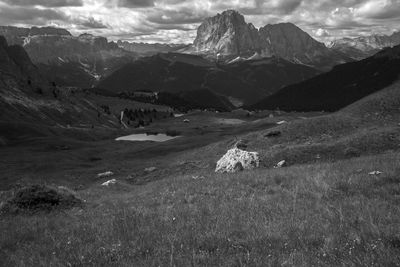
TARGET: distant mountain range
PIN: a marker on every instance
(66, 59)
(365, 46)
(340, 87)
(230, 63)
(145, 49)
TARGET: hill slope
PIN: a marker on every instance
(340, 87)
(246, 81)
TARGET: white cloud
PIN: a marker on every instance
(176, 20)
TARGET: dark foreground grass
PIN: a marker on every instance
(332, 214)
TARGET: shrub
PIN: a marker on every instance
(37, 198)
(172, 133)
(352, 152)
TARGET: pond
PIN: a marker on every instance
(147, 137)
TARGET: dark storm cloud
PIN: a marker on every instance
(45, 3)
(260, 7)
(91, 23)
(25, 15)
(136, 3)
(182, 16)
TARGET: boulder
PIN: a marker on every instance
(375, 173)
(150, 169)
(237, 160)
(110, 182)
(281, 164)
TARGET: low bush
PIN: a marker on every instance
(37, 198)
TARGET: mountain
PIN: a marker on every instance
(69, 60)
(145, 49)
(365, 46)
(30, 106)
(17, 36)
(241, 82)
(16, 68)
(227, 35)
(340, 87)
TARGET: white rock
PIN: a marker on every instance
(236, 160)
(105, 174)
(375, 173)
(151, 169)
(197, 177)
(280, 164)
(110, 182)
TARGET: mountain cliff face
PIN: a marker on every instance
(16, 66)
(228, 34)
(365, 46)
(69, 60)
(290, 42)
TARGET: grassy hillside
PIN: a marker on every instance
(179, 73)
(324, 209)
(340, 87)
(322, 214)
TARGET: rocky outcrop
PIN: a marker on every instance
(237, 160)
(228, 35)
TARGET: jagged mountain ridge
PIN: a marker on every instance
(365, 46)
(228, 34)
(340, 87)
(69, 60)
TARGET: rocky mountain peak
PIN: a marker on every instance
(227, 33)
(289, 41)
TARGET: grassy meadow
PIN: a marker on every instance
(327, 214)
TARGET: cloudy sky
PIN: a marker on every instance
(176, 21)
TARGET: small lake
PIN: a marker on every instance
(147, 137)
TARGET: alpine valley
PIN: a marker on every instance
(246, 147)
